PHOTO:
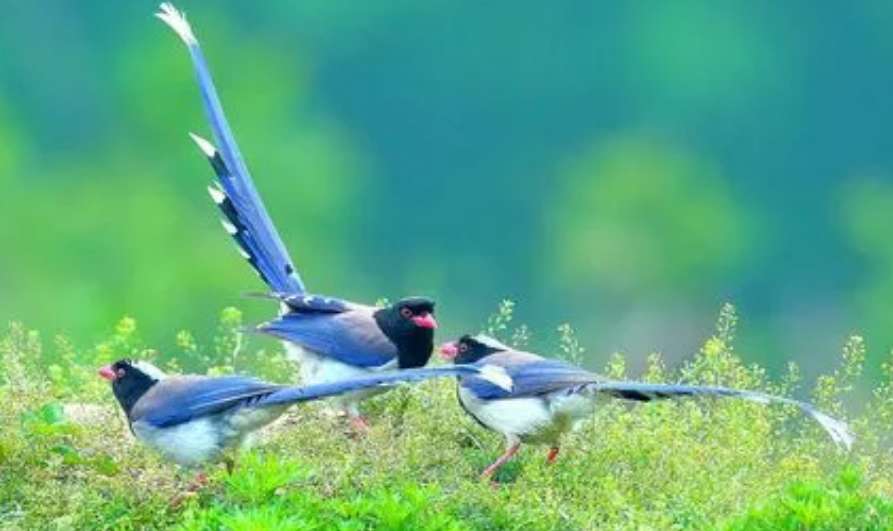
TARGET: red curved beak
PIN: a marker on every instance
(426, 320)
(449, 351)
(108, 373)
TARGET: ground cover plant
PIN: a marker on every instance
(67, 460)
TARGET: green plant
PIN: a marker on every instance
(837, 503)
(67, 459)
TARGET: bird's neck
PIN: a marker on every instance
(415, 349)
(414, 344)
(129, 391)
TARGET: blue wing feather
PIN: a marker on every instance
(530, 378)
(316, 304)
(335, 338)
(180, 400)
(313, 392)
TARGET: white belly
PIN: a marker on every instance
(530, 419)
(316, 369)
(201, 440)
(187, 444)
(513, 417)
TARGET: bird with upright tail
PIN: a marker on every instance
(330, 338)
(549, 397)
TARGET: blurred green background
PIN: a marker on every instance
(624, 168)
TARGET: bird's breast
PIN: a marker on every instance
(315, 368)
(527, 418)
(186, 444)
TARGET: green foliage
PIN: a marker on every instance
(829, 505)
(569, 345)
(499, 326)
(605, 173)
(631, 204)
(67, 461)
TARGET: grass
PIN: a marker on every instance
(68, 462)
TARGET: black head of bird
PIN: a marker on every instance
(409, 323)
(131, 380)
(470, 349)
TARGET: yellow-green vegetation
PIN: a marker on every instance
(67, 460)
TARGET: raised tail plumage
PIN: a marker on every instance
(644, 392)
(492, 373)
(234, 193)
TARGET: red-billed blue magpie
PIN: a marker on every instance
(549, 397)
(193, 419)
(330, 338)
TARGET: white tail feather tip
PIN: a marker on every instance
(245, 255)
(177, 21)
(497, 376)
(207, 148)
(216, 194)
(837, 429)
(229, 227)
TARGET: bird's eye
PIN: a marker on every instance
(463, 347)
(406, 312)
(121, 373)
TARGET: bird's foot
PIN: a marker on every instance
(198, 483)
(180, 499)
(488, 472)
(359, 425)
(552, 455)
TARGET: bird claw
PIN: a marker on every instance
(201, 480)
(179, 499)
(359, 426)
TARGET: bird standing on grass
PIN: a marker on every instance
(194, 419)
(549, 397)
(330, 338)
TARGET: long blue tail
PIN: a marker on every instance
(644, 392)
(247, 220)
(291, 395)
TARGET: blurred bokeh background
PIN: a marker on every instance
(623, 168)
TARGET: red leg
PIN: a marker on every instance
(359, 424)
(198, 483)
(553, 454)
(201, 480)
(503, 459)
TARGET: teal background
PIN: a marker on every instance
(626, 167)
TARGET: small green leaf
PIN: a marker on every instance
(70, 456)
(105, 465)
(52, 413)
